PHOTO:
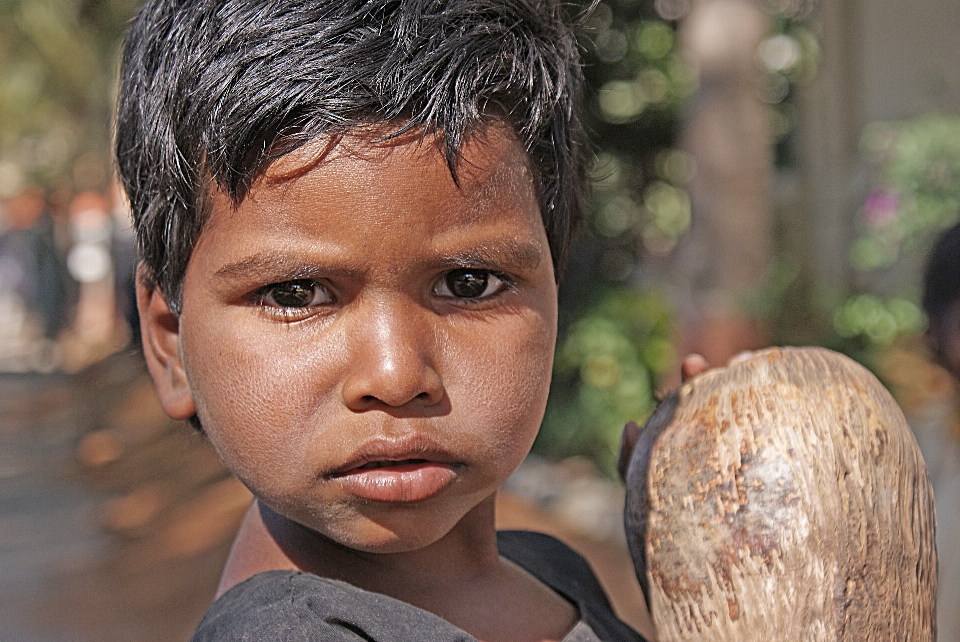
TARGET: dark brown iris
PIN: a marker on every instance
(468, 284)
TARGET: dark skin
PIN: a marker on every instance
(470, 597)
(943, 339)
(691, 366)
(368, 345)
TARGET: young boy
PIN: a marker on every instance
(351, 216)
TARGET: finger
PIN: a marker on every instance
(693, 364)
(628, 441)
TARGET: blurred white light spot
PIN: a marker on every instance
(774, 88)
(11, 179)
(672, 9)
(779, 53)
(617, 215)
(611, 46)
(89, 262)
(676, 166)
(600, 18)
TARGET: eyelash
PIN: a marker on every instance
(507, 284)
(291, 312)
(294, 313)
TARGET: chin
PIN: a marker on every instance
(385, 538)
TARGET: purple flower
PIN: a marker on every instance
(880, 207)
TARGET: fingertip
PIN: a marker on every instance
(693, 364)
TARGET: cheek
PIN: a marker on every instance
(504, 391)
(255, 396)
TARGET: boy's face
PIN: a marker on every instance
(368, 345)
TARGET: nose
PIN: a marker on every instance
(392, 358)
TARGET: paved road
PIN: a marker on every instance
(47, 522)
(114, 521)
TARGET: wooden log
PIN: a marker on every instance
(783, 498)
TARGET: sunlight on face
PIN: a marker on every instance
(368, 344)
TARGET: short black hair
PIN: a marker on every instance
(941, 283)
(212, 91)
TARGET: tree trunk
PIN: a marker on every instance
(725, 259)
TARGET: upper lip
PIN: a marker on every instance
(400, 449)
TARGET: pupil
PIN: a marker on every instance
(294, 294)
(467, 284)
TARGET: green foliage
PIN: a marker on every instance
(606, 369)
(915, 196)
(637, 84)
(877, 320)
(917, 191)
(57, 77)
(644, 70)
(789, 56)
(615, 341)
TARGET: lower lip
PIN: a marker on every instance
(401, 484)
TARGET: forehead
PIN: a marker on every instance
(338, 192)
(488, 164)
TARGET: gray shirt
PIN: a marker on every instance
(292, 606)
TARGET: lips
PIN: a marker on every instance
(406, 470)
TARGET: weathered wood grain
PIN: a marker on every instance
(783, 498)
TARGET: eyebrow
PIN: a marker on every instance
(507, 255)
(278, 266)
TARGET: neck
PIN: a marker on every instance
(460, 577)
(269, 541)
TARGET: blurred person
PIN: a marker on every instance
(941, 301)
(34, 286)
(90, 262)
(123, 251)
(938, 433)
(30, 238)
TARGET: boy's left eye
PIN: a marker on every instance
(468, 283)
(302, 293)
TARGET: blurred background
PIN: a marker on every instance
(766, 172)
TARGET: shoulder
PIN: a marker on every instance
(547, 558)
(290, 606)
(568, 573)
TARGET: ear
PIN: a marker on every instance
(160, 328)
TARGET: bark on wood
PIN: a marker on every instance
(783, 498)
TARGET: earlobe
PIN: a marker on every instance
(160, 328)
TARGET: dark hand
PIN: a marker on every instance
(692, 365)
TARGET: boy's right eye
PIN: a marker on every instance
(302, 293)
